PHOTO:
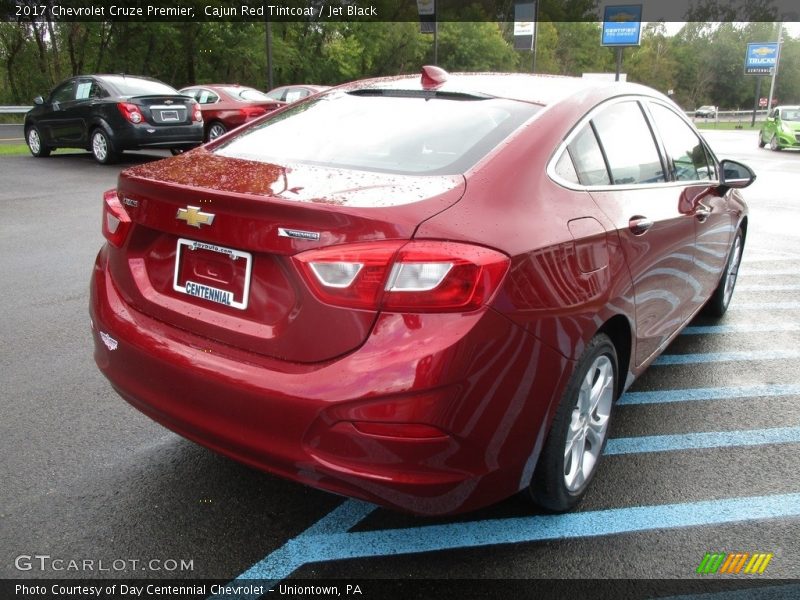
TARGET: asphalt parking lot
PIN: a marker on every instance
(703, 456)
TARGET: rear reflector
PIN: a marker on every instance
(116, 221)
(410, 431)
(416, 276)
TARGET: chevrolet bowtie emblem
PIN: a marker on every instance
(194, 216)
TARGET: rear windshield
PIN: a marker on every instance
(414, 134)
(133, 86)
(246, 94)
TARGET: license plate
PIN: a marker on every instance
(169, 115)
(213, 273)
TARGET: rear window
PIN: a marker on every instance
(413, 133)
(133, 86)
(246, 94)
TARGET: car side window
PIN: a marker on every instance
(587, 158)
(565, 169)
(294, 95)
(65, 93)
(628, 145)
(206, 97)
(684, 147)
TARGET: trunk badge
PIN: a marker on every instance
(194, 216)
(297, 234)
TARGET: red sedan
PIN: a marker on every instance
(423, 292)
(226, 106)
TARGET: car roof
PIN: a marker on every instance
(536, 89)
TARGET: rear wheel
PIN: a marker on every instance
(35, 143)
(578, 435)
(215, 130)
(773, 143)
(721, 298)
(761, 142)
(103, 148)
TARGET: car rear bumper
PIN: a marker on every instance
(133, 137)
(481, 381)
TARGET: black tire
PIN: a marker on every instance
(718, 304)
(773, 143)
(559, 482)
(215, 130)
(35, 143)
(761, 142)
(102, 148)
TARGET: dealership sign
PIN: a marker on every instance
(761, 58)
(622, 25)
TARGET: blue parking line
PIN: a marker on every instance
(696, 394)
(700, 440)
(772, 592)
(451, 536)
(740, 328)
(715, 357)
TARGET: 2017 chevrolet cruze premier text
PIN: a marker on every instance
(423, 292)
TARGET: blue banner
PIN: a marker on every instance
(622, 25)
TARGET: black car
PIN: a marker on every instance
(107, 114)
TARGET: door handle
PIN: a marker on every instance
(639, 224)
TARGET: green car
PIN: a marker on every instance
(781, 129)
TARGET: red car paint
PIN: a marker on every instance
(433, 410)
(227, 106)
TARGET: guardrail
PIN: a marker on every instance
(11, 110)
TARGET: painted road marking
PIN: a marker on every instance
(764, 305)
(769, 272)
(702, 440)
(768, 288)
(740, 328)
(309, 547)
(696, 394)
(715, 357)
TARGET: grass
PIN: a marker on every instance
(702, 124)
(12, 118)
(13, 149)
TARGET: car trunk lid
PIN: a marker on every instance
(212, 239)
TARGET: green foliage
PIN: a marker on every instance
(702, 63)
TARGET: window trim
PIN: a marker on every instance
(642, 100)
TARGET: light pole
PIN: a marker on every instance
(775, 70)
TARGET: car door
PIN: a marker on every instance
(693, 167)
(55, 121)
(88, 94)
(629, 183)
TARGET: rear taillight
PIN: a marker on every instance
(131, 112)
(116, 222)
(416, 276)
(197, 115)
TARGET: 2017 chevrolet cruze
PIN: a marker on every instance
(426, 292)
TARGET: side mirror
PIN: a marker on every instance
(735, 174)
(38, 100)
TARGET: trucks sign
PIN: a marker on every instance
(761, 58)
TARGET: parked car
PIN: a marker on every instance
(226, 106)
(108, 114)
(426, 292)
(706, 112)
(781, 129)
(293, 93)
